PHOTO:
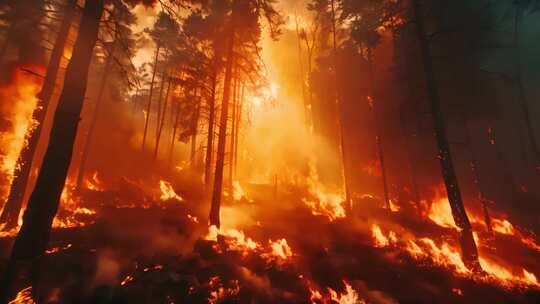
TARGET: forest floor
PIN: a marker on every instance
(164, 255)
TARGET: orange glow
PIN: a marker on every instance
(350, 296)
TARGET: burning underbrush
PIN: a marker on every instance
(281, 249)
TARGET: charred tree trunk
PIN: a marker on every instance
(149, 106)
(237, 132)
(521, 88)
(476, 175)
(99, 103)
(220, 161)
(160, 102)
(175, 128)
(340, 113)
(468, 246)
(378, 140)
(32, 239)
(193, 156)
(161, 121)
(210, 137)
(302, 74)
(233, 130)
(12, 208)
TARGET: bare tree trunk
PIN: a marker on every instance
(161, 122)
(468, 247)
(521, 88)
(378, 140)
(99, 103)
(237, 132)
(220, 161)
(210, 137)
(32, 239)
(233, 130)
(476, 175)
(12, 208)
(149, 106)
(342, 150)
(302, 74)
(193, 156)
(175, 128)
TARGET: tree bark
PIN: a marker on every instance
(161, 121)
(149, 106)
(468, 247)
(12, 208)
(339, 105)
(233, 130)
(32, 239)
(193, 156)
(218, 177)
(91, 129)
(210, 137)
(238, 121)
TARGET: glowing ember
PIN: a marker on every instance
(126, 280)
(23, 297)
(167, 191)
(57, 249)
(219, 292)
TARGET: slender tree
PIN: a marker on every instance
(25, 161)
(32, 239)
(468, 246)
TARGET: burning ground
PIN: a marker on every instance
(282, 249)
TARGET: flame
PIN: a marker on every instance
(18, 103)
(94, 183)
(23, 297)
(440, 212)
(503, 227)
(237, 240)
(381, 240)
(281, 249)
(350, 296)
(167, 192)
(323, 203)
(238, 192)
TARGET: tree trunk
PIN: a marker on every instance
(149, 106)
(161, 121)
(238, 121)
(476, 176)
(342, 150)
(99, 103)
(175, 128)
(378, 140)
(12, 208)
(302, 74)
(468, 247)
(218, 177)
(521, 88)
(160, 100)
(210, 137)
(193, 156)
(32, 239)
(233, 130)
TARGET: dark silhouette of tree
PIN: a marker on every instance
(25, 161)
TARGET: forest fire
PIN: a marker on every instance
(19, 98)
(269, 151)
